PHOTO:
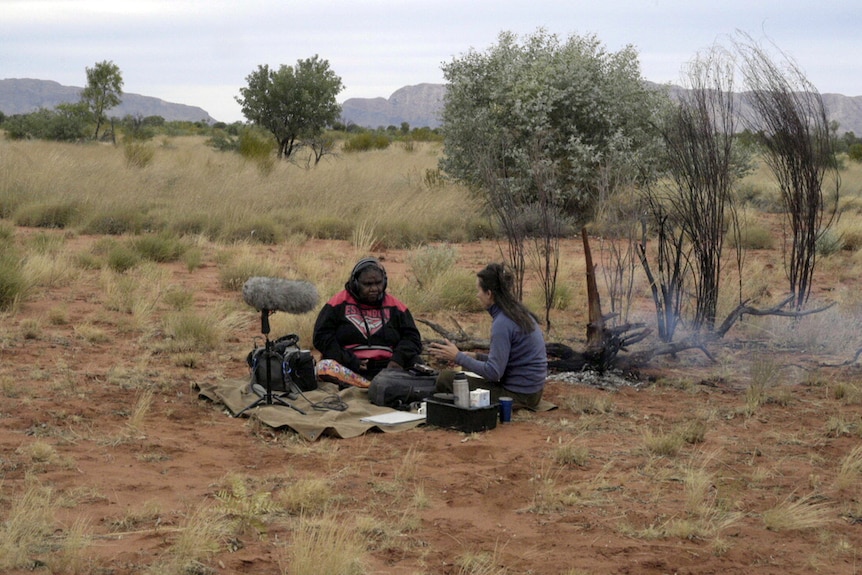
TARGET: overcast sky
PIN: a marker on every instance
(199, 52)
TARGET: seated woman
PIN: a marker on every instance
(362, 330)
(516, 364)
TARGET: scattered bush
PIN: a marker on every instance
(255, 145)
(429, 263)
(12, 283)
(162, 247)
(187, 331)
(365, 142)
(116, 222)
(260, 231)
(829, 242)
(235, 273)
(53, 215)
(138, 154)
(122, 257)
(753, 237)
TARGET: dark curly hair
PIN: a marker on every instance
(501, 282)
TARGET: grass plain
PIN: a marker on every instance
(111, 464)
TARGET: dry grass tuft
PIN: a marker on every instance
(305, 497)
(199, 537)
(326, 544)
(665, 444)
(28, 527)
(850, 470)
(801, 514)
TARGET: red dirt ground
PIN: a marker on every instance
(506, 493)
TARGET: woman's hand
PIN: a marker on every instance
(446, 351)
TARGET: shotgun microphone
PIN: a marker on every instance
(276, 294)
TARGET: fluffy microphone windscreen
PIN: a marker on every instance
(276, 294)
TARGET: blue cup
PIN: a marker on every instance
(505, 409)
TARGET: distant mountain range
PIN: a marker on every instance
(418, 105)
(23, 95)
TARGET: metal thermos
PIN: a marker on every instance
(461, 389)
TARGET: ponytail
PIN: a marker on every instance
(501, 282)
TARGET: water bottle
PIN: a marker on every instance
(461, 388)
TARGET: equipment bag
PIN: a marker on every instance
(399, 389)
(257, 362)
(300, 369)
(287, 364)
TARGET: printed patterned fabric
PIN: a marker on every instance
(333, 372)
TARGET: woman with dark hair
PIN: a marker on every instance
(516, 365)
(363, 330)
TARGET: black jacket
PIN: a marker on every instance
(347, 331)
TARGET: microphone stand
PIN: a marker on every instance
(268, 398)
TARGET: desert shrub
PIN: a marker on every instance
(138, 154)
(7, 234)
(453, 290)
(366, 141)
(46, 243)
(261, 231)
(829, 242)
(753, 237)
(179, 299)
(187, 331)
(122, 257)
(430, 262)
(162, 247)
(9, 202)
(327, 228)
(255, 145)
(235, 273)
(434, 179)
(400, 234)
(192, 225)
(193, 258)
(48, 215)
(851, 234)
(125, 220)
(12, 282)
(760, 198)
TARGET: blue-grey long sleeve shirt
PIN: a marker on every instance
(516, 360)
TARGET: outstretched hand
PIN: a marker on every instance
(446, 351)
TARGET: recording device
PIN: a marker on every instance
(276, 294)
(269, 295)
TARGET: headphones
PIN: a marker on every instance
(362, 265)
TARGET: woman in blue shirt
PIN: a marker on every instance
(516, 364)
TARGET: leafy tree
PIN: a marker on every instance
(582, 102)
(103, 91)
(580, 111)
(66, 123)
(69, 123)
(295, 104)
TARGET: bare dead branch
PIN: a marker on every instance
(461, 338)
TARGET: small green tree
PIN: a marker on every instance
(103, 91)
(295, 104)
(544, 120)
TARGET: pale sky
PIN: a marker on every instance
(199, 52)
